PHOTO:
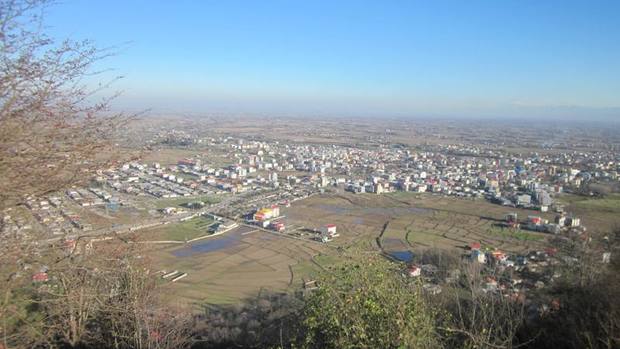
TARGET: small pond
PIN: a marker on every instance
(209, 245)
(403, 256)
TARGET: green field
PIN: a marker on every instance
(182, 231)
(518, 234)
(177, 202)
(609, 203)
(601, 215)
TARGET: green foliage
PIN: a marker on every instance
(23, 320)
(367, 303)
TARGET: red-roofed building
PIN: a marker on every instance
(414, 271)
(329, 229)
(187, 162)
(277, 226)
(551, 251)
(40, 277)
(70, 244)
(499, 256)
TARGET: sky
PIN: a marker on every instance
(479, 59)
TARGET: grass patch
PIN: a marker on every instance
(178, 202)
(203, 296)
(424, 237)
(305, 270)
(405, 195)
(610, 203)
(187, 230)
(327, 260)
(569, 199)
(515, 234)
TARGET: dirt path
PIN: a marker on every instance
(380, 237)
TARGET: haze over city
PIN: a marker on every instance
(476, 59)
(309, 174)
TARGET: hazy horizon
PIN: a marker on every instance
(526, 59)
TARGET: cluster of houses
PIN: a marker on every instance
(515, 273)
(562, 223)
(511, 274)
(141, 179)
(59, 218)
(268, 217)
(526, 181)
(297, 170)
(56, 217)
(15, 224)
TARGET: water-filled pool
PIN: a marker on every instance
(213, 244)
(405, 256)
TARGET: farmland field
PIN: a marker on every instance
(600, 215)
(190, 229)
(235, 265)
(244, 261)
(408, 221)
(609, 203)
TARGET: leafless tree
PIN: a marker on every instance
(53, 130)
(110, 299)
(135, 315)
(52, 133)
(479, 318)
(588, 314)
(56, 131)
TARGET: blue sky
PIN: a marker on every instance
(394, 58)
